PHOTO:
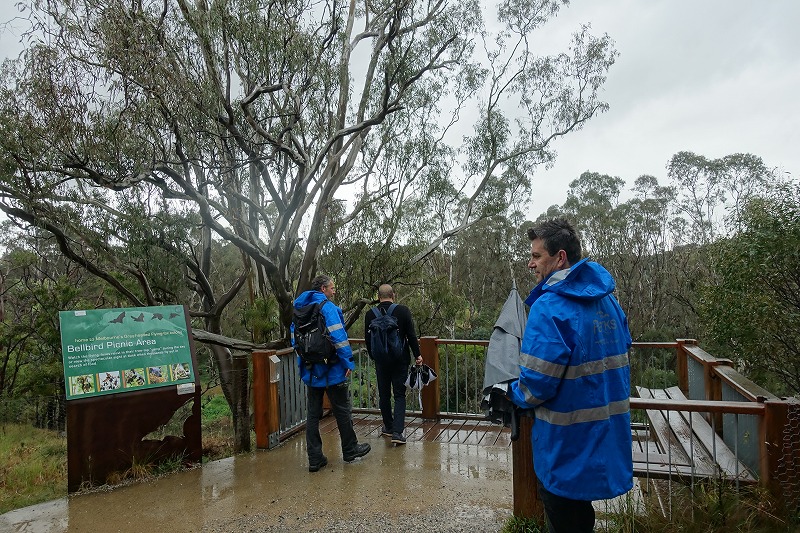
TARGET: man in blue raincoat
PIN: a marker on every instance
(332, 378)
(574, 373)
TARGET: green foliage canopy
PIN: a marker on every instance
(752, 309)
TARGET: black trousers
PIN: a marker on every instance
(565, 515)
(339, 396)
(391, 378)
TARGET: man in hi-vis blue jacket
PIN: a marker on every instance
(332, 378)
(574, 374)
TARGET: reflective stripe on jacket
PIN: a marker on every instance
(574, 372)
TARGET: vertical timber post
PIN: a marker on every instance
(260, 373)
(266, 410)
(772, 443)
(714, 390)
(431, 394)
(526, 495)
(682, 365)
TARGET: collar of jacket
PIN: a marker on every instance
(550, 280)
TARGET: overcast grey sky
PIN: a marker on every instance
(714, 77)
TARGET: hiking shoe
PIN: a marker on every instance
(314, 467)
(398, 438)
(361, 450)
(386, 432)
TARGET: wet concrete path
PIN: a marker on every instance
(422, 486)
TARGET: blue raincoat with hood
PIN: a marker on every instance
(322, 375)
(574, 372)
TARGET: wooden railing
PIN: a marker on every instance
(760, 434)
(753, 423)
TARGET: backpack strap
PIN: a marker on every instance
(318, 305)
(377, 311)
(318, 309)
(402, 338)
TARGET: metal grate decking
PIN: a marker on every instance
(445, 430)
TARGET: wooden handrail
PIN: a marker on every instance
(668, 345)
(700, 406)
(458, 342)
(702, 356)
(463, 342)
(742, 385)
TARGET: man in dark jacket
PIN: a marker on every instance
(391, 375)
(332, 378)
(574, 374)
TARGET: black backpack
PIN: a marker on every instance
(384, 336)
(311, 339)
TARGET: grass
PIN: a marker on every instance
(215, 408)
(517, 524)
(146, 470)
(217, 429)
(712, 508)
(33, 466)
(33, 462)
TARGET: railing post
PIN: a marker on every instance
(526, 495)
(772, 440)
(714, 389)
(682, 365)
(431, 394)
(266, 409)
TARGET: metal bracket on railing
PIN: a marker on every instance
(274, 439)
(274, 368)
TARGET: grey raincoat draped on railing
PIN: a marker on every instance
(502, 359)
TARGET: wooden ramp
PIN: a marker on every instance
(682, 444)
(677, 445)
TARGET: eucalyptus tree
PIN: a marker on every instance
(712, 192)
(593, 201)
(644, 275)
(751, 309)
(157, 127)
(710, 196)
(33, 287)
(488, 259)
(634, 239)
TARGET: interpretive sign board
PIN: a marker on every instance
(108, 351)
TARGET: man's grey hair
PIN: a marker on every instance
(319, 282)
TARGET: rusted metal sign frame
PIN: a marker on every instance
(105, 434)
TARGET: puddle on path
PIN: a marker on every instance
(273, 489)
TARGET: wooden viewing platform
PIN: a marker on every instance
(716, 424)
(660, 451)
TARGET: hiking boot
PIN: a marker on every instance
(314, 467)
(398, 438)
(361, 450)
(386, 432)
